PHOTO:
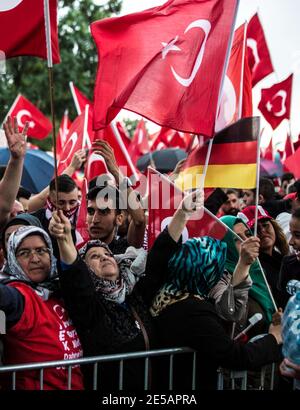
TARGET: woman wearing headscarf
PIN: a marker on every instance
(108, 297)
(259, 300)
(273, 246)
(186, 317)
(38, 326)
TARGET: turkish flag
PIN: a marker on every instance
(275, 103)
(62, 133)
(76, 141)
(139, 144)
(95, 166)
(80, 100)
(165, 63)
(292, 163)
(161, 140)
(237, 81)
(258, 53)
(164, 198)
(124, 134)
(39, 125)
(22, 29)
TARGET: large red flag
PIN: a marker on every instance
(39, 125)
(80, 100)
(164, 198)
(275, 103)
(165, 63)
(258, 53)
(22, 29)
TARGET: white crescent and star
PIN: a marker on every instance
(202, 24)
(20, 115)
(282, 111)
(6, 5)
(73, 139)
(251, 43)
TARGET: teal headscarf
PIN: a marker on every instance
(194, 269)
(258, 290)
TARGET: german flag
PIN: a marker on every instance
(232, 163)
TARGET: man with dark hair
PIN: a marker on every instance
(287, 179)
(23, 196)
(106, 205)
(267, 198)
(232, 205)
(67, 201)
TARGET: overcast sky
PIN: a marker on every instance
(280, 20)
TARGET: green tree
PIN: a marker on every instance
(29, 75)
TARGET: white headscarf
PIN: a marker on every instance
(43, 289)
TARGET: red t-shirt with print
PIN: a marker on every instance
(44, 333)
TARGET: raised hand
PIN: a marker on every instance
(59, 226)
(249, 250)
(103, 148)
(78, 159)
(192, 202)
(16, 140)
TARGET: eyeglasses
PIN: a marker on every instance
(26, 253)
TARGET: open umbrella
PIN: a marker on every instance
(38, 169)
(270, 168)
(165, 160)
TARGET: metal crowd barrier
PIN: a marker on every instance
(96, 360)
(238, 379)
(227, 379)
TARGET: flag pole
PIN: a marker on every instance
(213, 216)
(86, 138)
(51, 86)
(290, 137)
(242, 71)
(257, 182)
(225, 66)
(74, 97)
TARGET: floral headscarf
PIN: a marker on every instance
(131, 265)
(193, 270)
(45, 288)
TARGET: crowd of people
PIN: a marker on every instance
(64, 299)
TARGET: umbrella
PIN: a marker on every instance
(38, 169)
(270, 169)
(165, 160)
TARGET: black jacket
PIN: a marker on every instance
(105, 327)
(194, 323)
